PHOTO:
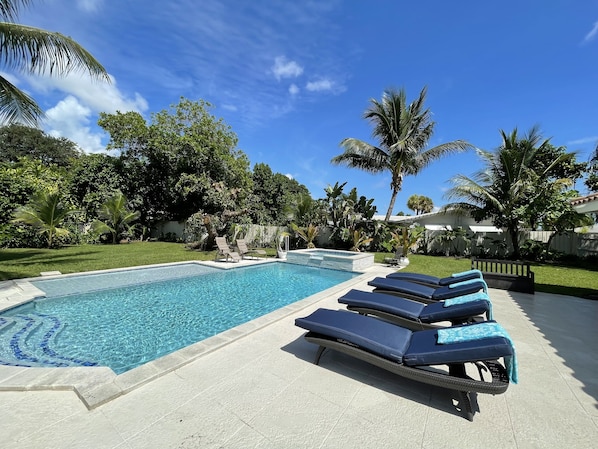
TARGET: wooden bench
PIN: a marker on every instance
(506, 274)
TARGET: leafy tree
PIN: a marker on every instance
(420, 204)
(35, 51)
(403, 131)
(18, 141)
(308, 234)
(46, 212)
(93, 179)
(592, 179)
(115, 217)
(184, 161)
(520, 182)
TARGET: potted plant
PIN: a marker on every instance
(405, 241)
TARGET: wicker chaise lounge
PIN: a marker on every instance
(414, 355)
(415, 315)
(433, 281)
(425, 293)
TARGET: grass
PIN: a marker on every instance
(564, 279)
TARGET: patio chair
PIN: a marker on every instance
(416, 315)
(433, 281)
(425, 293)
(246, 252)
(416, 355)
(225, 251)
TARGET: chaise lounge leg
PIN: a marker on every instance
(319, 354)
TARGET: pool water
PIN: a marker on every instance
(127, 326)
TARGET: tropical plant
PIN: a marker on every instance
(35, 51)
(449, 239)
(420, 204)
(359, 239)
(115, 217)
(307, 234)
(521, 180)
(403, 131)
(46, 213)
(406, 238)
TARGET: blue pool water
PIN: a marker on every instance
(133, 323)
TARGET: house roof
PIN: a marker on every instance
(586, 204)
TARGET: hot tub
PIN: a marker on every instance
(332, 258)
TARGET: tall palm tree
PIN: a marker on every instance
(509, 184)
(403, 131)
(35, 51)
(115, 216)
(46, 212)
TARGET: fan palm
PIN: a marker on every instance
(115, 216)
(403, 131)
(46, 212)
(35, 51)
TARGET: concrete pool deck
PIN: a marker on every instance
(261, 389)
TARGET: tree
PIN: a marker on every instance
(184, 161)
(592, 179)
(18, 141)
(35, 51)
(115, 216)
(520, 183)
(46, 212)
(420, 204)
(403, 131)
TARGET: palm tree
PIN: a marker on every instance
(35, 51)
(403, 131)
(115, 216)
(509, 184)
(46, 212)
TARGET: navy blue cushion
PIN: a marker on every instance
(411, 288)
(436, 311)
(424, 291)
(433, 280)
(385, 303)
(399, 344)
(369, 333)
(424, 350)
(414, 277)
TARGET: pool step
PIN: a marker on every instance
(26, 340)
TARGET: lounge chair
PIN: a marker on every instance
(246, 252)
(434, 281)
(425, 293)
(225, 251)
(414, 355)
(416, 315)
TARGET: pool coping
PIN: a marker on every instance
(98, 385)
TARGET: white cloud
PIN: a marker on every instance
(584, 140)
(320, 85)
(592, 34)
(284, 68)
(288, 175)
(70, 119)
(89, 5)
(293, 89)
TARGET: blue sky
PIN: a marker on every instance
(293, 78)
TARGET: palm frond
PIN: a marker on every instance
(37, 51)
(9, 9)
(16, 106)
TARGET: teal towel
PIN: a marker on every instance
(471, 281)
(478, 332)
(463, 273)
(468, 298)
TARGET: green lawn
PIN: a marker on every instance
(573, 280)
(20, 263)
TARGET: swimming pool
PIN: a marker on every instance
(133, 323)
